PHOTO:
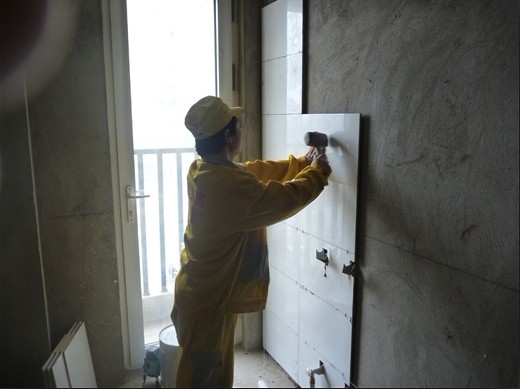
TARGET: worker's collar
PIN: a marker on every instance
(218, 160)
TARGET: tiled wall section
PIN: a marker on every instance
(282, 25)
(308, 319)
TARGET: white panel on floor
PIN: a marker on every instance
(59, 371)
(79, 361)
(70, 364)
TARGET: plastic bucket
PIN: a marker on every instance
(170, 356)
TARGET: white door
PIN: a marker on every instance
(161, 57)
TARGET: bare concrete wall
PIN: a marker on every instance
(437, 299)
(23, 324)
(68, 121)
(249, 27)
(436, 83)
(69, 133)
(249, 22)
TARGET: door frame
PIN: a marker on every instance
(119, 113)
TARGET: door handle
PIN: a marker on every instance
(130, 194)
(130, 206)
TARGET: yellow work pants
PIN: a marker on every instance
(207, 356)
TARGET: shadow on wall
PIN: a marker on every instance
(33, 45)
(35, 41)
(361, 218)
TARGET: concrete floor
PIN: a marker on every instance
(250, 368)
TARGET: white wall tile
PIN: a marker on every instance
(332, 216)
(336, 288)
(310, 358)
(285, 249)
(285, 133)
(283, 297)
(326, 331)
(282, 26)
(281, 136)
(308, 316)
(282, 85)
(281, 343)
(343, 150)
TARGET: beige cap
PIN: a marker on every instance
(209, 115)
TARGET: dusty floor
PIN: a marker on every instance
(250, 368)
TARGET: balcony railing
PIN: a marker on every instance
(161, 173)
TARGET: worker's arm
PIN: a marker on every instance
(274, 201)
(282, 170)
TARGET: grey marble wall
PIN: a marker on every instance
(436, 84)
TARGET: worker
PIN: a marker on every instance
(224, 269)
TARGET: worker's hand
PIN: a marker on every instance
(321, 162)
(311, 154)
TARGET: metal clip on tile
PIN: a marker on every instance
(323, 257)
(350, 270)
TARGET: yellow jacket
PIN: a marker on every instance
(224, 267)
